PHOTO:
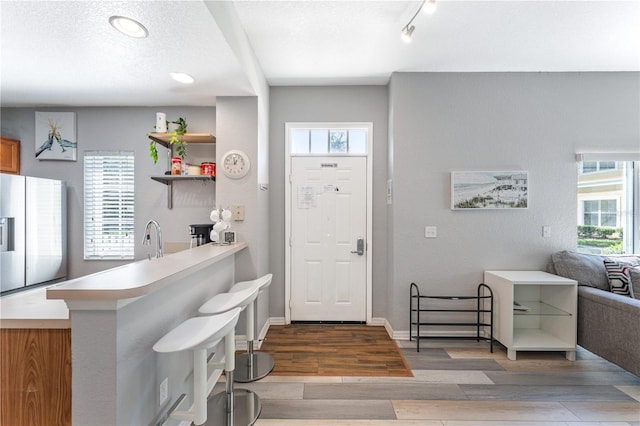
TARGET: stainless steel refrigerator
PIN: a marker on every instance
(33, 231)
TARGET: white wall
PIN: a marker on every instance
(444, 122)
(121, 129)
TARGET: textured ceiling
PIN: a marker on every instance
(65, 53)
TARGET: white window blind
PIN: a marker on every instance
(108, 205)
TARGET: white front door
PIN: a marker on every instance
(328, 217)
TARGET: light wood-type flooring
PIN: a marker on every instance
(459, 383)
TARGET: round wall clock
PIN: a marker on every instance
(235, 164)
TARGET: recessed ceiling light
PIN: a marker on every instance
(128, 26)
(182, 77)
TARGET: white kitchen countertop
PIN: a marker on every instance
(32, 309)
(45, 307)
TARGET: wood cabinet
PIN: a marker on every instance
(35, 372)
(9, 155)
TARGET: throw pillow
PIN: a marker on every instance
(635, 281)
(619, 278)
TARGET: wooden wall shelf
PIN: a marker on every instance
(163, 138)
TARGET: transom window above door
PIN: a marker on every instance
(323, 141)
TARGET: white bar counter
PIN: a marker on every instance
(143, 277)
(117, 316)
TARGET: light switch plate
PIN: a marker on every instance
(430, 231)
(164, 391)
(238, 212)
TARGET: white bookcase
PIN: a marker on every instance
(548, 319)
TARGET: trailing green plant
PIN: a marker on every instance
(153, 151)
(175, 140)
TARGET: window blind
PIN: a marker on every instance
(108, 205)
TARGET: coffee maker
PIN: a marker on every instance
(200, 234)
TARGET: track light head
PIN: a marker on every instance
(407, 32)
(429, 7)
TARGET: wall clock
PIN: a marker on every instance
(235, 164)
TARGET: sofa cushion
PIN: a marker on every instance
(619, 277)
(587, 269)
(635, 282)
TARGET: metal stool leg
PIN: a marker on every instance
(252, 366)
(233, 407)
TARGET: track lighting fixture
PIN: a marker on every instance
(429, 6)
(407, 32)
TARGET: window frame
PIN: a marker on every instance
(329, 128)
(598, 167)
(599, 211)
(627, 166)
(97, 190)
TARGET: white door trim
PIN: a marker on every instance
(287, 209)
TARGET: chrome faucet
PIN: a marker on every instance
(146, 240)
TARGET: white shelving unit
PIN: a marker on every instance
(549, 322)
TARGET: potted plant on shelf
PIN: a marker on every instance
(174, 140)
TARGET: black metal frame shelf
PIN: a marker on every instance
(163, 139)
(481, 297)
(166, 179)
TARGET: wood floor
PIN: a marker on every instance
(334, 350)
(459, 383)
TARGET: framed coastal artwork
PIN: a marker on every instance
(56, 136)
(489, 190)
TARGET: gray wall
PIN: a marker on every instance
(327, 104)
(425, 126)
(121, 129)
(238, 128)
(444, 122)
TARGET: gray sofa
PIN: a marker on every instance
(608, 323)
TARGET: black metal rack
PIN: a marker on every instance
(483, 297)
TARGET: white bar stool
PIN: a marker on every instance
(237, 407)
(252, 366)
(199, 334)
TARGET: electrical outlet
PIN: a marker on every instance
(546, 231)
(164, 390)
(238, 212)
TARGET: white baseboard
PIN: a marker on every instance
(375, 321)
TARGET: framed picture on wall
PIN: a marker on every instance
(489, 190)
(56, 136)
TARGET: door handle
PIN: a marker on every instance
(359, 247)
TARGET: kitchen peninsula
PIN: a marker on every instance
(116, 317)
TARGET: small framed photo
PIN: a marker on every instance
(489, 190)
(56, 136)
(229, 237)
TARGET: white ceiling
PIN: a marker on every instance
(65, 53)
